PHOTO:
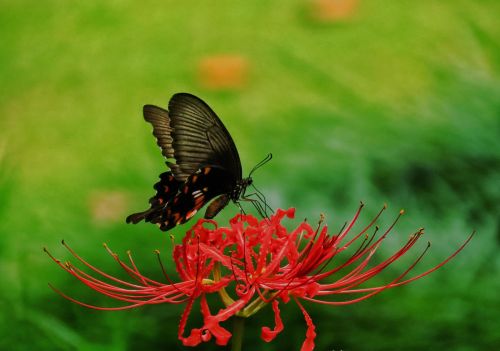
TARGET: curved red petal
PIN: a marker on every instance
(267, 334)
(308, 344)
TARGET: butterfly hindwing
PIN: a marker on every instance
(166, 189)
(201, 187)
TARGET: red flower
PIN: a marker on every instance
(252, 263)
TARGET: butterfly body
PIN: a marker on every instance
(203, 160)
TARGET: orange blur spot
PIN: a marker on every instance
(221, 72)
(333, 10)
(108, 206)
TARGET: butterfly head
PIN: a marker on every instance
(239, 189)
(247, 182)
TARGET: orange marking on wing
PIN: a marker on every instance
(176, 217)
(206, 170)
(194, 179)
(199, 201)
(191, 213)
(179, 220)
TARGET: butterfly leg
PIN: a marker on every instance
(242, 210)
(260, 203)
(262, 198)
(256, 203)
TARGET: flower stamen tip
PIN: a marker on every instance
(402, 212)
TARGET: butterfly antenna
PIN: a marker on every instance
(261, 163)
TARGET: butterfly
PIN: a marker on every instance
(207, 165)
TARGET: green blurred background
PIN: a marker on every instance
(380, 101)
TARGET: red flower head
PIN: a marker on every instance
(253, 263)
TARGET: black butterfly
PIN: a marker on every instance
(206, 165)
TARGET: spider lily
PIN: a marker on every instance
(253, 263)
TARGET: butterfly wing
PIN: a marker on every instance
(166, 189)
(202, 157)
(192, 135)
(199, 189)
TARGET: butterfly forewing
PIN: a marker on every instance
(200, 138)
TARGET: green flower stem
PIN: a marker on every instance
(226, 299)
(238, 329)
